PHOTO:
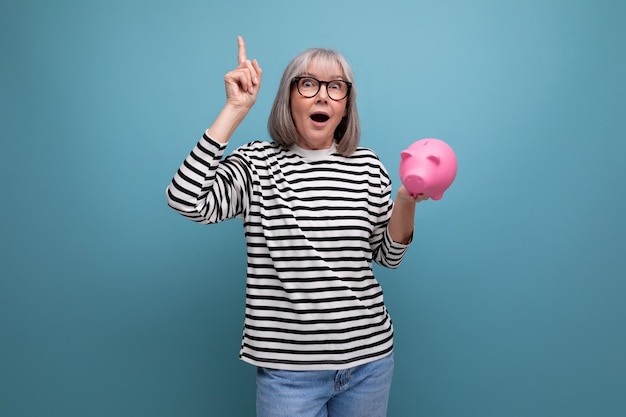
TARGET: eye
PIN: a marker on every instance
(336, 85)
(308, 82)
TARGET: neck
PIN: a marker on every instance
(313, 154)
(304, 144)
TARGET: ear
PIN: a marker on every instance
(405, 154)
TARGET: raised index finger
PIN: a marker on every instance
(242, 50)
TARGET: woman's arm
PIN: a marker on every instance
(402, 221)
(242, 87)
(196, 191)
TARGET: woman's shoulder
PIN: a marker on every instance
(362, 152)
(259, 147)
(260, 151)
(367, 157)
(259, 144)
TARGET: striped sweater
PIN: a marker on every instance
(314, 221)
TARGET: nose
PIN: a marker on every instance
(322, 94)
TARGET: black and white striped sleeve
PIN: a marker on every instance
(386, 252)
(207, 188)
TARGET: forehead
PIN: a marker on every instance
(325, 69)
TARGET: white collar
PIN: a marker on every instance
(313, 154)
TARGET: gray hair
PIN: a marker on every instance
(280, 124)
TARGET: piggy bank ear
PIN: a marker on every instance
(435, 159)
(405, 154)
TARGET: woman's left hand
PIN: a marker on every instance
(404, 195)
(401, 223)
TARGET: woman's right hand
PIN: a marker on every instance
(242, 88)
(243, 82)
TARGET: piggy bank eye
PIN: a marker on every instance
(435, 159)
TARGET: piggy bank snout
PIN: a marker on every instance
(414, 183)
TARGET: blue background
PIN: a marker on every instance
(511, 299)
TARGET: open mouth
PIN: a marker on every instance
(319, 117)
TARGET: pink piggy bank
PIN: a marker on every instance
(428, 167)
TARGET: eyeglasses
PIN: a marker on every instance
(309, 87)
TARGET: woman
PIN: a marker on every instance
(317, 210)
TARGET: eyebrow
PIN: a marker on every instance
(333, 77)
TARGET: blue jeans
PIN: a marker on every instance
(362, 391)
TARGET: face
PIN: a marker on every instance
(316, 118)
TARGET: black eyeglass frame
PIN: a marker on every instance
(296, 81)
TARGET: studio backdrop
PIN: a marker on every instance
(510, 301)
